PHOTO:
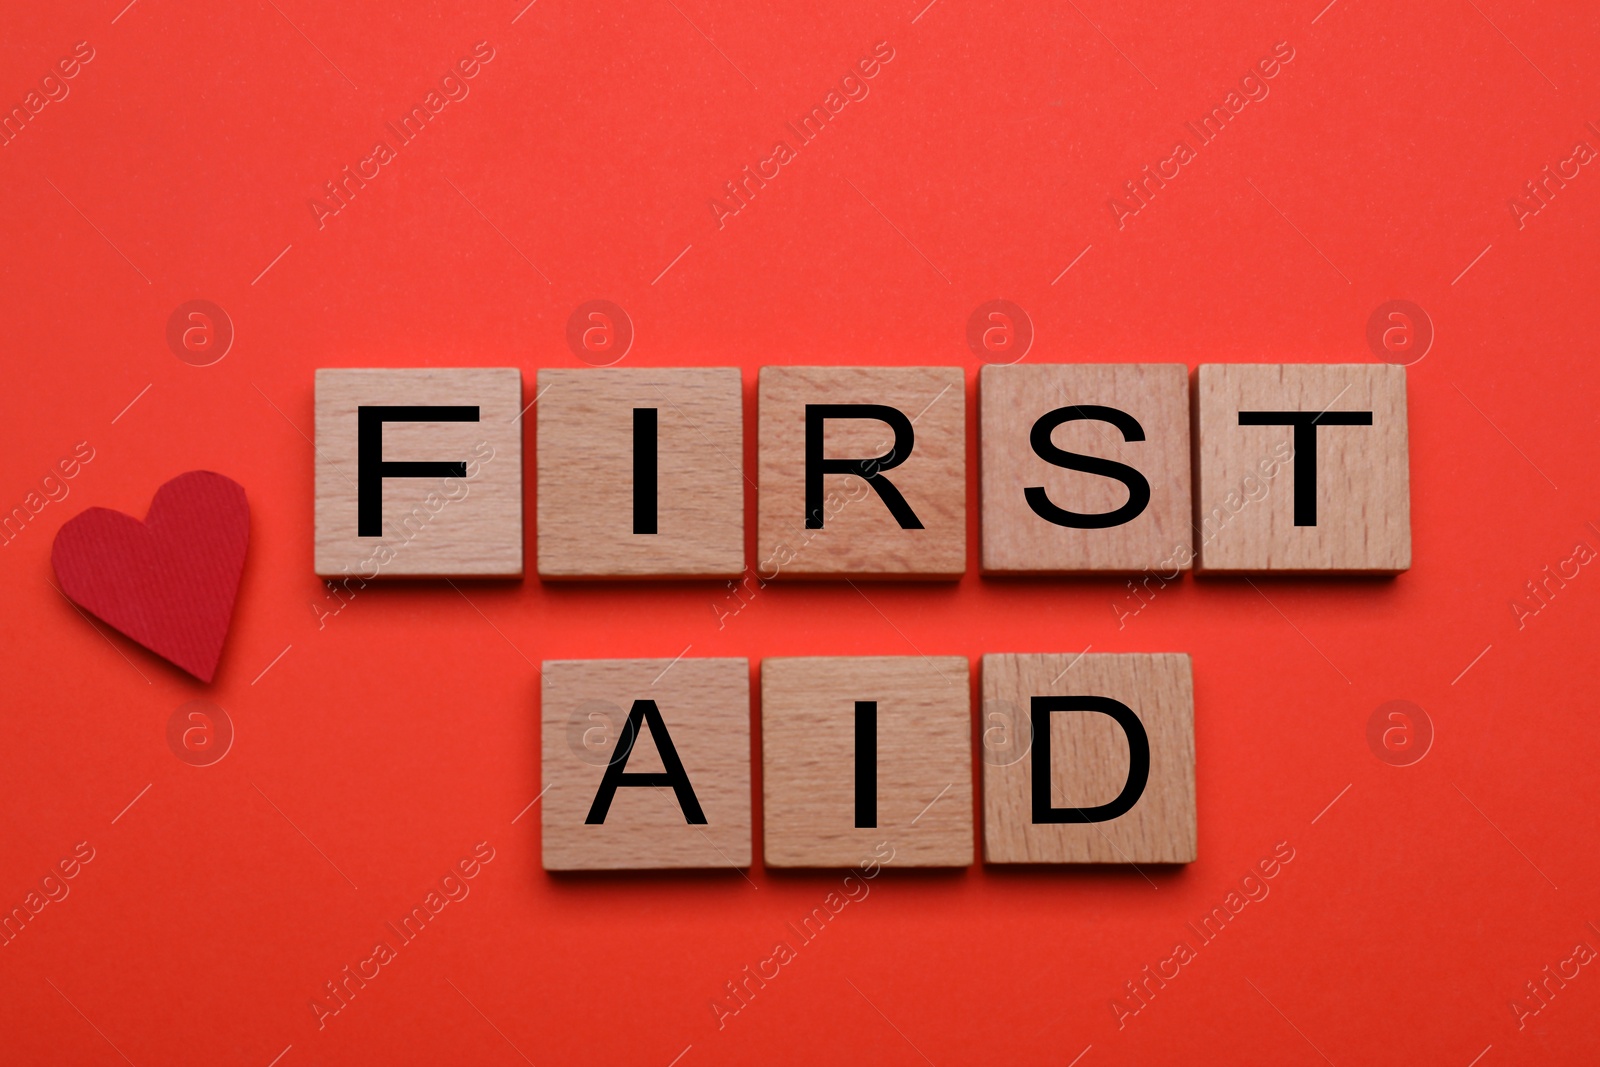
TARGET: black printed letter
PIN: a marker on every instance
(1138, 487)
(1305, 425)
(644, 470)
(1138, 759)
(866, 763)
(371, 469)
(672, 772)
(870, 469)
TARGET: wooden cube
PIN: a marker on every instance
(856, 751)
(1302, 469)
(646, 764)
(1084, 467)
(419, 472)
(863, 472)
(640, 473)
(1118, 754)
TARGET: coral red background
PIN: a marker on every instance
(404, 730)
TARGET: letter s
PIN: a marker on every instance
(1138, 487)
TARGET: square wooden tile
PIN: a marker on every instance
(1331, 497)
(704, 706)
(861, 534)
(438, 492)
(671, 507)
(1113, 494)
(1090, 758)
(819, 808)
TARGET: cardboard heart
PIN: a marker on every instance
(168, 582)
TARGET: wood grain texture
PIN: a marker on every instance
(585, 486)
(434, 526)
(1016, 539)
(1245, 487)
(705, 706)
(924, 765)
(859, 536)
(1089, 758)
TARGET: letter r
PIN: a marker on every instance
(871, 468)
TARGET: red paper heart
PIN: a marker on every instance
(168, 582)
